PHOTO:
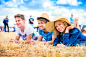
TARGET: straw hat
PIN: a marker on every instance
(44, 15)
(50, 25)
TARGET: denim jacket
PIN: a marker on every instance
(74, 37)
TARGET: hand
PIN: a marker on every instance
(11, 40)
(32, 41)
(68, 28)
(60, 45)
(76, 18)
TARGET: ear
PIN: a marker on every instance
(24, 21)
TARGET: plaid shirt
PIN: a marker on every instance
(47, 36)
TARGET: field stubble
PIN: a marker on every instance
(8, 49)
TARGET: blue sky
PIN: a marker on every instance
(36, 7)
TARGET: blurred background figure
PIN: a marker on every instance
(5, 22)
(31, 21)
(84, 31)
(71, 19)
(76, 22)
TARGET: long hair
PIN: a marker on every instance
(56, 32)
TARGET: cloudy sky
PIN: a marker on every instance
(36, 7)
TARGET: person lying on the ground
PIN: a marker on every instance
(23, 30)
(65, 33)
(44, 37)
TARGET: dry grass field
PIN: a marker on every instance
(39, 50)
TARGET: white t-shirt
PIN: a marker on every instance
(27, 31)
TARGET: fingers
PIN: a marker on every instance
(32, 42)
(11, 40)
(60, 45)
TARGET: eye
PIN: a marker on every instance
(18, 20)
(41, 22)
(60, 24)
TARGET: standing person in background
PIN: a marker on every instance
(31, 21)
(71, 19)
(5, 21)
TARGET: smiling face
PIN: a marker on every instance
(59, 26)
(41, 24)
(19, 22)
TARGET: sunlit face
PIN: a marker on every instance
(59, 26)
(6, 16)
(19, 22)
(41, 24)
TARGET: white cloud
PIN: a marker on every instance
(13, 3)
(22, 2)
(46, 5)
(56, 11)
(14, 0)
(70, 2)
(52, 11)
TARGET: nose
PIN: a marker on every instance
(58, 27)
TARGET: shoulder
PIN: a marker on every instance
(17, 29)
(40, 30)
(74, 30)
(28, 26)
(51, 33)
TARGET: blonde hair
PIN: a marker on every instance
(56, 32)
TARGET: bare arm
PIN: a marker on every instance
(26, 41)
(17, 38)
(39, 38)
(29, 37)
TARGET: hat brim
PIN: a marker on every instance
(43, 18)
(50, 26)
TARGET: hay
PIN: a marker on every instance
(39, 50)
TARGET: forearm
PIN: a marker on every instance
(49, 42)
(46, 42)
(26, 41)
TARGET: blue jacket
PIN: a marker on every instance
(5, 21)
(74, 37)
(30, 20)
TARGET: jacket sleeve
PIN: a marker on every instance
(56, 41)
(69, 40)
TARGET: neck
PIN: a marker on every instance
(45, 31)
(22, 28)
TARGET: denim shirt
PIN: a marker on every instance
(74, 37)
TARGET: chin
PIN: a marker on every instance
(41, 29)
(18, 26)
(60, 31)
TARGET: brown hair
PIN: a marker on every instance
(43, 19)
(83, 30)
(56, 32)
(20, 15)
